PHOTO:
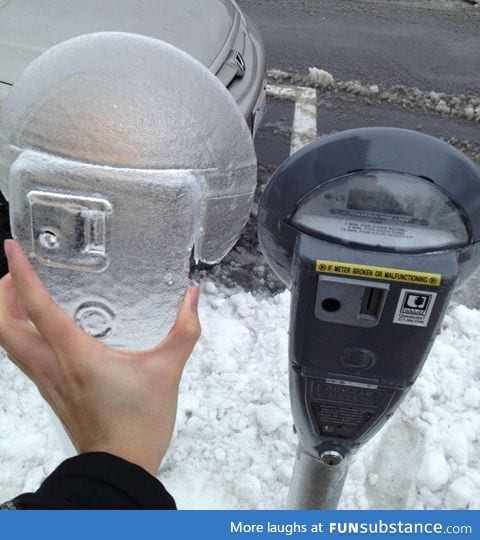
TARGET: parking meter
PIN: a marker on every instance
(372, 230)
(122, 156)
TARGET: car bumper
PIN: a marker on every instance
(249, 91)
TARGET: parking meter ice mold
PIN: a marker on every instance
(120, 153)
(372, 230)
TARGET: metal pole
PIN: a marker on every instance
(317, 482)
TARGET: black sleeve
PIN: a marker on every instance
(96, 481)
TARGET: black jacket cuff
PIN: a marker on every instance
(98, 481)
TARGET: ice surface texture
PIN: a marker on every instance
(118, 154)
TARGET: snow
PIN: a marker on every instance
(320, 77)
(462, 106)
(234, 444)
(434, 470)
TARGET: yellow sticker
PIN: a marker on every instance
(378, 272)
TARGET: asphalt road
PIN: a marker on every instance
(429, 44)
(409, 49)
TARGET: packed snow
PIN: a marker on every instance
(234, 444)
(320, 77)
(463, 106)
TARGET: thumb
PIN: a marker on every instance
(184, 334)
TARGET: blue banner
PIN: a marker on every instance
(238, 525)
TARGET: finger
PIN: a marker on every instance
(53, 323)
(22, 339)
(184, 334)
(17, 334)
(26, 348)
(9, 301)
(43, 383)
(21, 366)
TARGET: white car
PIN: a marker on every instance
(215, 32)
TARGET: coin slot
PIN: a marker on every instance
(372, 303)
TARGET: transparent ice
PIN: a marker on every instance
(119, 155)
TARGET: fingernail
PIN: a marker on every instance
(194, 297)
(7, 247)
(192, 282)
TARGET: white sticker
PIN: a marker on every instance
(384, 230)
(414, 307)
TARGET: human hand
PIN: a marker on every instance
(109, 400)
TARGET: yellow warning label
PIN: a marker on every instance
(378, 272)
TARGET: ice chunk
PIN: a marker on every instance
(434, 470)
(119, 155)
(471, 397)
(270, 417)
(460, 493)
(320, 77)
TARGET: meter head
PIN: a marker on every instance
(372, 230)
(384, 210)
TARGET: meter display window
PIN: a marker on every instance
(383, 209)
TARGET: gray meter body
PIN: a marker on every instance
(372, 230)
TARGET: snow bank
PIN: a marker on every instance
(463, 106)
(234, 444)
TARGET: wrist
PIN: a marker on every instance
(149, 463)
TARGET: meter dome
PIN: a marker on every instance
(128, 101)
(120, 153)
